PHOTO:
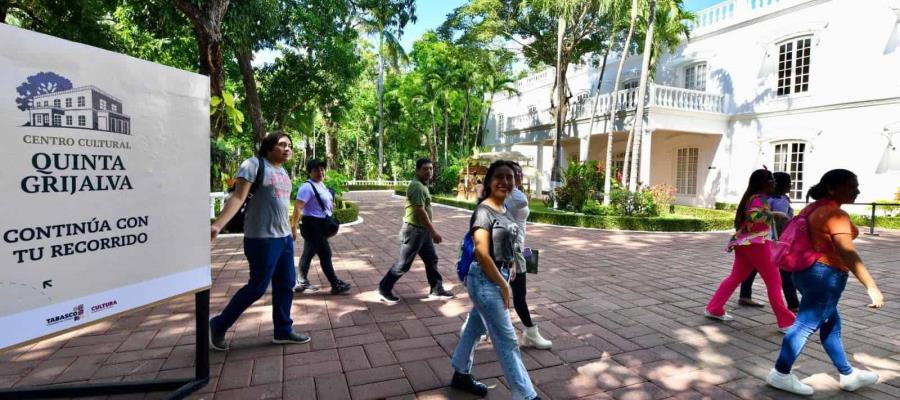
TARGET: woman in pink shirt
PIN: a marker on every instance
(751, 244)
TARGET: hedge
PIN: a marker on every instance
(655, 224)
(351, 188)
(700, 212)
(862, 221)
(346, 211)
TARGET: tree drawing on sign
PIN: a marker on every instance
(38, 84)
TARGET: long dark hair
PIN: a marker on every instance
(831, 180)
(758, 180)
(489, 176)
(268, 143)
(782, 182)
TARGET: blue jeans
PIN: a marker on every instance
(271, 260)
(821, 287)
(489, 314)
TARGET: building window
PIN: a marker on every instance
(695, 77)
(69, 120)
(57, 103)
(793, 66)
(82, 121)
(532, 109)
(115, 107)
(686, 171)
(39, 119)
(789, 158)
(80, 101)
(127, 131)
(102, 104)
(46, 104)
(57, 120)
(500, 123)
(68, 102)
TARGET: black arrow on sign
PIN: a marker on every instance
(47, 283)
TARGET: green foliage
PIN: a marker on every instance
(447, 180)
(352, 188)
(705, 213)
(336, 181)
(594, 207)
(224, 107)
(864, 221)
(583, 181)
(345, 211)
(726, 206)
(637, 204)
(663, 195)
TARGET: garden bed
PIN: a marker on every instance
(352, 188)
(683, 221)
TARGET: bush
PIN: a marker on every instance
(351, 188)
(655, 224)
(862, 221)
(594, 207)
(333, 180)
(705, 213)
(633, 204)
(447, 180)
(583, 181)
(663, 195)
(726, 206)
(345, 211)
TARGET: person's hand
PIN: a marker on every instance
(213, 232)
(506, 292)
(876, 297)
(512, 274)
(294, 234)
(436, 238)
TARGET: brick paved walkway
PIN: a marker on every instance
(623, 311)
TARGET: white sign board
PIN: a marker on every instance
(104, 170)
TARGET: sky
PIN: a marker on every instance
(430, 14)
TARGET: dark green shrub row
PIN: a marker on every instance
(700, 212)
(656, 224)
(726, 206)
(346, 211)
(374, 187)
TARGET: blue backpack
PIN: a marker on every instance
(466, 256)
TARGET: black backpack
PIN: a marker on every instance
(236, 224)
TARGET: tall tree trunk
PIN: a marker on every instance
(642, 90)
(479, 133)
(380, 102)
(465, 127)
(556, 173)
(356, 160)
(207, 25)
(245, 63)
(597, 94)
(331, 146)
(626, 163)
(4, 8)
(432, 143)
(446, 131)
(607, 184)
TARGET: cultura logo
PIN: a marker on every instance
(103, 306)
(52, 101)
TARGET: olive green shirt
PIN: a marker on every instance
(417, 194)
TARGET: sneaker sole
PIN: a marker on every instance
(440, 297)
(387, 300)
(718, 317)
(284, 341)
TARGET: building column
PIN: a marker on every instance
(539, 184)
(645, 161)
(584, 147)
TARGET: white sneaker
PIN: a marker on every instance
(857, 379)
(723, 317)
(533, 338)
(788, 383)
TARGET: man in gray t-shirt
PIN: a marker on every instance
(268, 244)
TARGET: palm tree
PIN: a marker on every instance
(607, 184)
(382, 16)
(666, 28)
(494, 82)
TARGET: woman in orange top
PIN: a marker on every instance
(821, 286)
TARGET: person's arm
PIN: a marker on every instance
(422, 216)
(483, 256)
(295, 217)
(843, 243)
(516, 201)
(232, 206)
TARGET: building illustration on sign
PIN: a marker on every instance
(51, 101)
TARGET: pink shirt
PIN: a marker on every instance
(757, 224)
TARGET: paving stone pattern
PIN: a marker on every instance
(623, 311)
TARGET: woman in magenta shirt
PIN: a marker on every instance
(751, 245)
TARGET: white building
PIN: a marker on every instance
(800, 86)
(85, 107)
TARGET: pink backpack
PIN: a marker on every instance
(794, 251)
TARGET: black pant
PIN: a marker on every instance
(787, 286)
(315, 243)
(413, 240)
(518, 295)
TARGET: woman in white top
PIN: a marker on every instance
(517, 206)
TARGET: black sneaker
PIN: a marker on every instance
(388, 297)
(305, 286)
(340, 288)
(468, 384)
(440, 293)
(291, 338)
(217, 339)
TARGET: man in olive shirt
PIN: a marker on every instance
(417, 236)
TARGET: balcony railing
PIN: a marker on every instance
(657, 96)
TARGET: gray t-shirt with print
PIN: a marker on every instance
(504, 232)
(267, 215)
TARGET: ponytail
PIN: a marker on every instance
(831, 180)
